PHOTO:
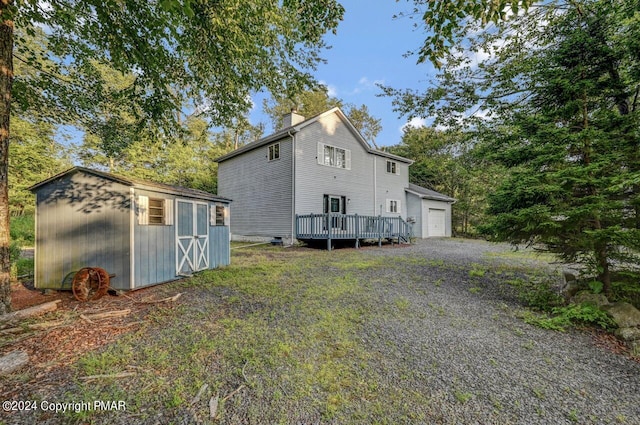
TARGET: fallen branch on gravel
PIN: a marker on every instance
(30, 312)
(114, 376)
(164, 300)
(110, 314)
(215, 401)
(213, 407)
(196, 399)
(13, 361)
(234, 392)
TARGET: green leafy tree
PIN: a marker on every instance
(187, 162)
(316, 101)
(219, 51)
(556, 101)
(34, 155)
(307, 103)
(446, 161)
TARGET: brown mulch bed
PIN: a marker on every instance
(51, 350)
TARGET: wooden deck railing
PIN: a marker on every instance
(351, 226)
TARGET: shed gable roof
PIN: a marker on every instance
(286, 132)
(133, 182)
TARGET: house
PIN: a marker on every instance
(143, 232)
(283, 185)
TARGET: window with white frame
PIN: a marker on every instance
(274, 151)
(333, 156)
(392, 167)
(393, 206)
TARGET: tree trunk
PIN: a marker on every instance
(6, 80)
(604, 275)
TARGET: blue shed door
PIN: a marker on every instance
(192, 237)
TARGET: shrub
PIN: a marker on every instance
(22, 229)
(573, 314)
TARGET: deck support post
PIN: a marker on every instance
(329, 227)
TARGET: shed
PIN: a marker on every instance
(143, 232)
(430, 211)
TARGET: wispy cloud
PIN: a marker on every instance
(415, 122)
(365, 84)
(332, 90)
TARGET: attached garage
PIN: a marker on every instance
(436, 222)
(429, 211)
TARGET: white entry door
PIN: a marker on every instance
(436, 222)
(192, 237)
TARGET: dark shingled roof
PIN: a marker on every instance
(135, 182)
(428, 193)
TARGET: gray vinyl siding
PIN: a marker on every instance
(261, 191)
(81, 221)
(391, 186)
(314, 180)
(414, 209)
(155, 248)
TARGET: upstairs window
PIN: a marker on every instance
(274, 152)
(392, 167)
(333, 156)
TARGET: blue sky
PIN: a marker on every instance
(368, 49)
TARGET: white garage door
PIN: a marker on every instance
(436, 222)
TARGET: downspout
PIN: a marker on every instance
(375, 185)
(293, 185)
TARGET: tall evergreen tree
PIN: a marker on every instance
(556, 101)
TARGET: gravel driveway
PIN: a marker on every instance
(467, 347)
(422, 334)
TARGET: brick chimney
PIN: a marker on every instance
(291, 119)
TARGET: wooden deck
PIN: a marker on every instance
(352, 227)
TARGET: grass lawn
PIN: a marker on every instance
(348, 336)
(280, 325)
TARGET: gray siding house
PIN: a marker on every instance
(143, 232)
(320, 165)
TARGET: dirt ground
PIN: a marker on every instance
(70, 335)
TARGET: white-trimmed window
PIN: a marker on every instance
(274, 152)
(393, 206)
(155, 211)
(333, 156)
(392, 167)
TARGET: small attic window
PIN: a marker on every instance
(392, 167)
